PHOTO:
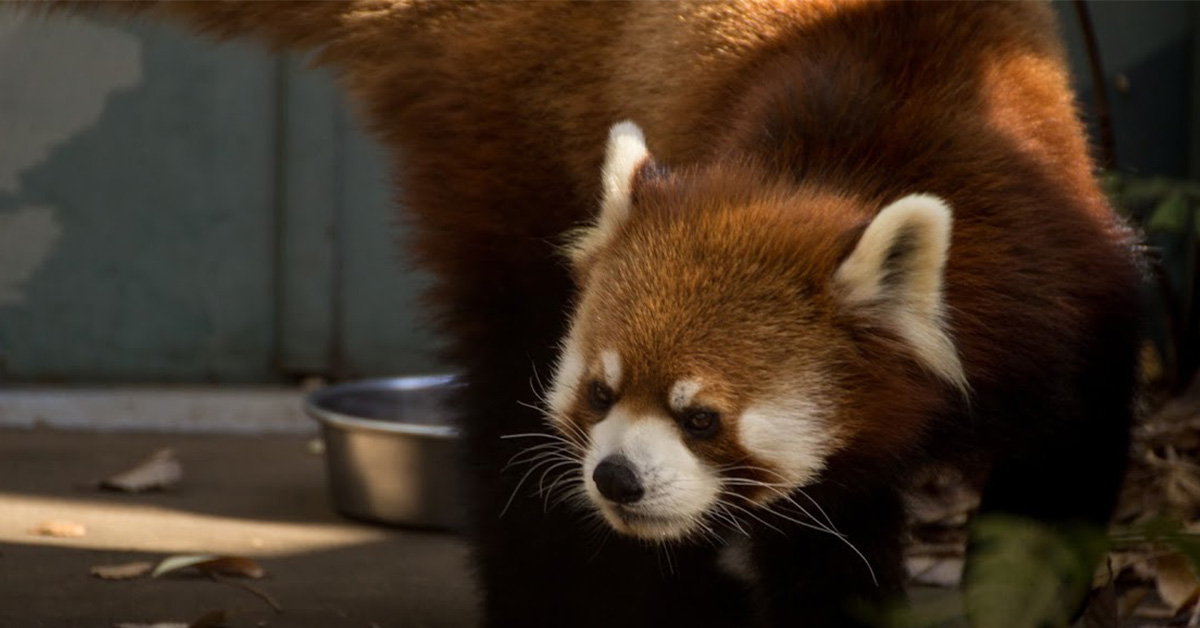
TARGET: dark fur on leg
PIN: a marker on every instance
(1067, 474)
(811, 578)
(543, 563)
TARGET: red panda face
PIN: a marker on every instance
(674, 432)
(715, 360)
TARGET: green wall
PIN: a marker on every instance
(173, 210)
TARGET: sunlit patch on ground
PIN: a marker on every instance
(258, 497)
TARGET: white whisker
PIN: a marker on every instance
(520, 483)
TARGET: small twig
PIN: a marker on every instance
(263, 595)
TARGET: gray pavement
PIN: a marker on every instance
(258, 496)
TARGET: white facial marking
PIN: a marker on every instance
(917, 229)
(791, 434)
(679, 488)
(568, 374)
(682, 393)
(625, 153)
(611, 362)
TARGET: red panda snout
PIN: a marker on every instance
(664, 490)
(665, 457)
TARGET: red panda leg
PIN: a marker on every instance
(540, 569)
(810, 578)
(1065, 476)
(557, 566)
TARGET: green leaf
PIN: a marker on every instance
(1026, 574)
(935, 609)
(1171, 215)
(1162, 532)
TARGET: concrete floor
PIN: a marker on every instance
(259, 496)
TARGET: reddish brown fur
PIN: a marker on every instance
(785, 126)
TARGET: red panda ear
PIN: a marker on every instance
(625, 156)
(894, 275)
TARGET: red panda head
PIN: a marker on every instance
(733, 334)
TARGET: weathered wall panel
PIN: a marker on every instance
(163, 270)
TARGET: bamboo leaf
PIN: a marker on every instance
(1171, 215)
(1025, 574)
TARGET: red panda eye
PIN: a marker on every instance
(701, 423)
(600, 397)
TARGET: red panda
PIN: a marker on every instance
(771, 257)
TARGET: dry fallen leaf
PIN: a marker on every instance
(1135, 564)
(161, 470)
(209, 564)
(161, 624)
(935, 572)
(1153, 612)
(124, 571)
(1129, 601)
(1178, 585)
(62, 529)
(1101, 610)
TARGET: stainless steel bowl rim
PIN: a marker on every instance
(312, 405)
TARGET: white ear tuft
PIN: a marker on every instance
(625, 154)
(895, 275)
(626, 151)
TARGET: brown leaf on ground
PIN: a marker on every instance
(1138, 565)
(61, 529)
(1177, 481)
(1157, 611)
(161, 470)
(211, 565)
(1151, 583)
(161, 624)
(1101, 611)
(1178, 585)
(124, 571)
(1129, 601)
(945, 572)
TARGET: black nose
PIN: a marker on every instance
(617, 480)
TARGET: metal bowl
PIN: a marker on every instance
(390, 450)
